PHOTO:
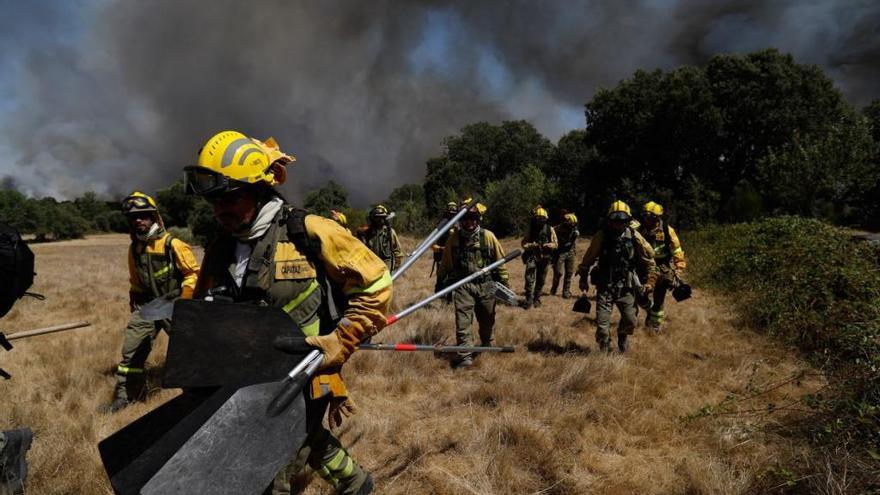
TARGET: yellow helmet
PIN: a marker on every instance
(570, 219)
(230, 159)
(452, 207)
(653, 208)
(540, 212)
(379, 211)
(138, 202)
(478, 208)
(619, 211)
(339, 217)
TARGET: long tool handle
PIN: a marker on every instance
(433, 348)
(298, 377)
(391, 319)
(43, 331)
(430, 240)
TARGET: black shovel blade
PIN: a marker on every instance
(581, 305)
(681, 292)
(132, 455)
(158, 309)
(239, 450)
(216, 343)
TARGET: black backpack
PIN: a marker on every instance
(16, 267)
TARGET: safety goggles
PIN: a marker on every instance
(203, 182)
(136, 204)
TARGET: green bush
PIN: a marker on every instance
(812, 285)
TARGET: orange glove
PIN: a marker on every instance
(338, 346)
(339, 409)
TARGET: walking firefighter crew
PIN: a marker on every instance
(274, 254)
(622, 255)
(159, 265)
(468, 249)
(668, 255)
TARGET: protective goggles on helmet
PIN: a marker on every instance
(208, 183)
(618, 216)
(137, 204)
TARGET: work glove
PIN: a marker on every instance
(583, 282)
(292, 344)
(338, 346)
(340, 408)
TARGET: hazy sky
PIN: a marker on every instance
(111, 96)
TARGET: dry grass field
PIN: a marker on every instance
(556, 417)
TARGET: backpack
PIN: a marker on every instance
(16, 267)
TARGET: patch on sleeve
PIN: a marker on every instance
(290, 264)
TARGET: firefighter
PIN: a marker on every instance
(381, 238)
(622, 254)
(668, 255)
(437, 248)
(565, 256)
(159, 265)
(538, 245)
(274, 254)
(467, 250)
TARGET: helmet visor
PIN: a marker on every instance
(134, 204)
(204, 182)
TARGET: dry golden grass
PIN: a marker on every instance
(560, 419)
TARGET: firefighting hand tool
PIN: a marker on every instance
(427, 243)
(505, 295)
(582, 304)
(6, 344)
(434, 348)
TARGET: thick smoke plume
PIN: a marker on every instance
(111, 96)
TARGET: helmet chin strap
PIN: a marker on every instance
(151, 234)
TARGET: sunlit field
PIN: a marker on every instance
(554, 417)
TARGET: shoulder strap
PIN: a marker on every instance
(332, 297)
(484, 248)
(296, 231)
(667, 239)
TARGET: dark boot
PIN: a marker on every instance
(554, 287)
(605, 346)
(367, 487)
(537, 302)
(623, 343)
(527, 303)
(462, 362)
(13, 461)
(566, 294)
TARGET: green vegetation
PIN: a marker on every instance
(809, 284)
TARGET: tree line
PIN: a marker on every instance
(743, 137)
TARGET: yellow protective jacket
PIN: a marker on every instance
(465, 255)
(289, 280)
(644, 255)
(665, 255)
(182, 275)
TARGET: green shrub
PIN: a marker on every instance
(809, 284)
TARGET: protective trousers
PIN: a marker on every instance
(136, 345)
(536, 274)
(563, 264)
(470, 299)
(323, 453)
(656, 315)
(625, 301)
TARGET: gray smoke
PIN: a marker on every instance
(111, 96)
